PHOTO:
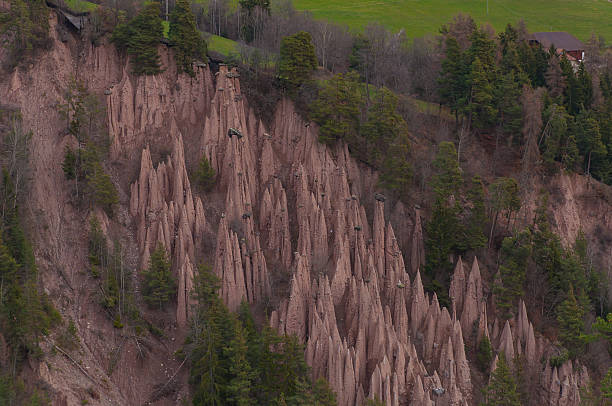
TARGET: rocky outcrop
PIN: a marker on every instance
(168, 214)
(367, 324)
(292, 224)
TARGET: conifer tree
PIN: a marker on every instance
(447, 181)
(238, 391)
(571, 324)
(603, 328)
(476, 217)
(323, 394)
(159, 284)
(188, 44)
(559, 142)
(396, 171)
(454, 78)
(297, 60)
(483, 48)
(482, 107)
(485, 354)
(502, 389)
(508, 107)
(444, 227)
(336, 109)
(24, 29)
(515, 253)
(205, 174)
(588, 137)
(140, 38)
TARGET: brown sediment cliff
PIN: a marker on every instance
(290, 223)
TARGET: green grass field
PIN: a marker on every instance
(80, 6)
(224, 46)
(421, 17)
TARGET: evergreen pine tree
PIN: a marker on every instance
(484, 49)
(238, 388)
(476, 217)
(188, 44)
(502, 389)
(515, 254)
(447, 181)
(24, 28)
(205, 174)
(508, 107)
(323, 394)
(297, 60)
(571, 324)
(485, 354)
(444, 227)
(603, 328)
(336, 109)
(454, 78)
(159, 284)
(140, 38)
(482, 106)
(396, 171)
(588, 137)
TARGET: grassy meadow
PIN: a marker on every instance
(421, 17)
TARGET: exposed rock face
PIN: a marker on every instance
(166, 213)
(369, 328)
(294, 225)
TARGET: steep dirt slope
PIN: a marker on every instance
(291, 225)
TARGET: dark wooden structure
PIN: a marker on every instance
(73, 19)
(563, 42)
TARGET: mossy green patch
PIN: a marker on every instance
(421, 17)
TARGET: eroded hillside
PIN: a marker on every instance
(293, 227)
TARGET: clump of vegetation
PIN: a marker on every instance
(515, 254)
(25, 28)
(116, 291)
(234, 362)
(606, 386)
(603, 329)
(68, 339)
(561, 358)
(484, 354)
(188, 44)
(373, 128)
(297, 60)
(26, 313)
(83, 165)
(159, 285)
(571, 324)
(502, 389)
(140, 38)
(205, 175)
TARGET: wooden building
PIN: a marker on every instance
(563, 42)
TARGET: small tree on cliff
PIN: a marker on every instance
(444, 227)
(502, 390)
(188, 43)
(140, 39)
(297, 60)
(570, 316)
(159, 284)
(205, 174)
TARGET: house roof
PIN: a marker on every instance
(559, 39)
